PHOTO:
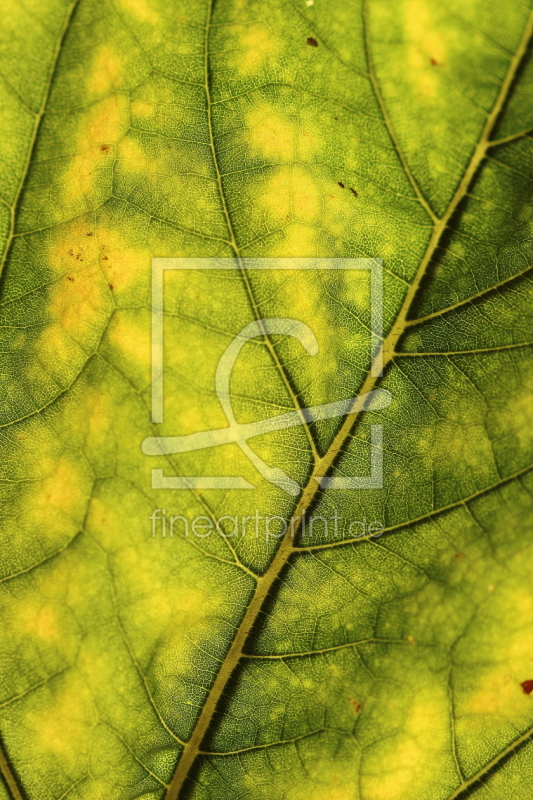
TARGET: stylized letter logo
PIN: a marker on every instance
(240, 433)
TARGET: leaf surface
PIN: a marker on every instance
(320, 663)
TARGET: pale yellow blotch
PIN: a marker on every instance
(300, 242)
(105, 523)
(63, 489)
(103, 125)
(281, 137)
(257, 46)
(357, 289)
(76, 301)
(427, 52)
(497, 694)
(347, 791)
(75, 246)
(142, 109)
(132, 338)
(124, 266)
(64, 727)
(142, 10)
(40, 621)
(518, 412)
(55, 505)
(91, 418)
(131, 156)
(105, 75)
(292, 194)
(417, 755)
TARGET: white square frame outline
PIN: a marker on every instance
(161, 264)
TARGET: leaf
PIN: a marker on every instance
(328, 665)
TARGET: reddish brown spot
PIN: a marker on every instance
(70, 279)
(312, 42)
(431, 396)
(459, 555)
(70, 253)
(90, 233)
(79, 257)
(355, 705)
(527, 686)
(111, 286)
(104, 148)
(287, 216)
(355, 194)
(340, 184)
(105, 258)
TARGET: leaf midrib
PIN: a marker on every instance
(387, 352)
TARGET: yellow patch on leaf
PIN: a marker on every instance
(292, 194)
(257, 45)
(131, 336)
(64, 728)
(281, 137)
(132, 158)
(417, 755)
(106, 72)
(104, 124)
(300, 242)
(142, 10)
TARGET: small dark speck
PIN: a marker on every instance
(105, 258)
(70, 279)
(90, 233)
(340, 184)
(312, 42)
(104, 148)
(355, 194)
(527, 686)
(335, 118)
(111, 286)
(434, 62)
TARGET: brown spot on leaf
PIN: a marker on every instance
(105, 258)
(312, 42)
(340, 184)
(70, 279)
(90, 233)
(111, 286)
(355, 194)
(104, 148)
(527, 686)
(355, 705)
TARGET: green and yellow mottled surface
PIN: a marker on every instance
(253, 667)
